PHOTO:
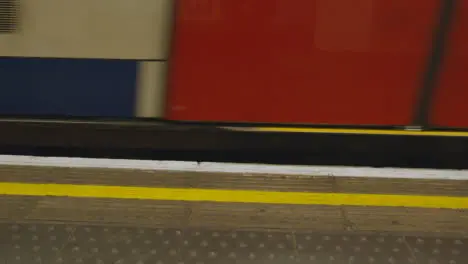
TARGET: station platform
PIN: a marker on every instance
(58, 243)
(70, 210)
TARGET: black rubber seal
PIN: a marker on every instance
(434, 64)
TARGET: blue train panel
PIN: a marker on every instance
(67, 87)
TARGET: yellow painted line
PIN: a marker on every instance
(356, 131)
(232, 196)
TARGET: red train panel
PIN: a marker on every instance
(450, 106)
(299, 61)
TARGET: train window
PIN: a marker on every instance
(8, 16)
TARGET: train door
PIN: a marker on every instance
(300, 61)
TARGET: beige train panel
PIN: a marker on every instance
(138, 29)
(151, 89)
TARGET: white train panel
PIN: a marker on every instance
(124, 29)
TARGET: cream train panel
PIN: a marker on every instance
(124, 29)
(151, 89)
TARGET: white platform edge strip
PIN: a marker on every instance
(313, 171)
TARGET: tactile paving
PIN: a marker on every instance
(79, 244)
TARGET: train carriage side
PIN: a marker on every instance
(313, 62)
(450, 107)
(364, 62)
(84, 58)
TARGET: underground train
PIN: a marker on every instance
(318, 62)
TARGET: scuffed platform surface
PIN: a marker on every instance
(117, 212)
(59, 243)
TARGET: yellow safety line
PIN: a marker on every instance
(232, 196)
(357, 131)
